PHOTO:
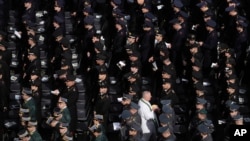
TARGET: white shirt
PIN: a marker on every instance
(146, 114)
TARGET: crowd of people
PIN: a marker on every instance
(179, 66)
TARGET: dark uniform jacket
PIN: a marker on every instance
(147, 45)
(4, 94)
(31, 105)
(119, 41)
(102, 137)
(35, 136)
(72, 95)
(65, 115)
(6, 56)
(170, 138)
(33, 65)
(170, 95)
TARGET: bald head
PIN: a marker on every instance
(146, 95)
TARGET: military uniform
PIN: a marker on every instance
(177, 45)
(102, 106)
(71, 94)
(66, 118)
(6, 54)
(210, 48)
(101, 137)
(31, 105)
(35, 136)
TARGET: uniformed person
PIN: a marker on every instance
(135, 117)
(23, 135)
(71, 94)
(34, 64)
(4, 102)
(64, 130)
(87, 45)
(118, 49)
(29, 103)
(99, 135)
(6, 54)
(177, 44)
(168, 70)
(238, 119)
(55, 52)
(232, 91)
(126, 101)
(37, 94)
(66, 54)
(33, 46)
(209, 47)
(102, 104)
(147, 44)
(240, 45)
(97, 123)
(168, 92)
(32, 129)
(62, 114)
(135, 133)
(30, 10)
(205, 133)
(166, 134)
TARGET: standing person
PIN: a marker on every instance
(177, 45)
(71, 93)
(102, 104)
(29, 103)
(4, 93)
(148, 119)
(209, 47)
(32, 129)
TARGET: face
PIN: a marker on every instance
(30, 42)
(62, 130)
(95, 39)
(61, 104)
(103, 90)
(134, 69)
(147, 96)
(117, 26)
(158, 37)
(132, 132)
(33, 77)
(199, 106)
(69, 83)
(25, 96)
(34, 88)
(203, 8)
(202, 116)
(57, 8)
(30, 128)
(102, 76)
(166, 134)
(175, 26)
(166, 86)
(233, 113)
(230, 90)
(131, 40)
(165, 75)
(133, 111)
(27, 4)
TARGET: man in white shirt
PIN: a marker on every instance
(148, 119)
